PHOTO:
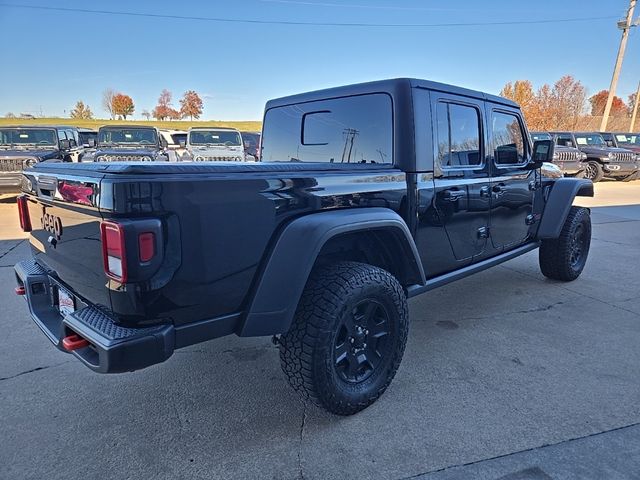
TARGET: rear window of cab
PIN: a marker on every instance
(349, 130)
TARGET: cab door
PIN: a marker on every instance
(461, 200)
(513, 182)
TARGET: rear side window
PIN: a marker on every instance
(458, 135)
(344, 130)
(508, 141)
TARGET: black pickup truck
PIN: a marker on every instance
(365, 196)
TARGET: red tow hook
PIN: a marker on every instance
(74, 342)
(20, 290)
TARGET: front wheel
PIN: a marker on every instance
(593, 171)
(347, 338)
(564, 258)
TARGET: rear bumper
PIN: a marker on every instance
(112, 348)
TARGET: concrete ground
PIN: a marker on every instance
(506, 376)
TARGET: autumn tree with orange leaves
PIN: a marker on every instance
(164, 110)
(599, 101)
(191, 105)
(557, 107)
(122, 105)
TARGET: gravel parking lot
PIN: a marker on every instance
(525, 379)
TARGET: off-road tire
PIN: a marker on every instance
(307, 350)
(557, 257)
(594, 171)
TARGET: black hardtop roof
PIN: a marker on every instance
(390, 86)
(25, 127)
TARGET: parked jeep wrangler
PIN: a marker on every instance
(207, 144)
(366, 195)
(24, 146)
(602, 160)
(129, 143)
(570, 160)
(629, 141)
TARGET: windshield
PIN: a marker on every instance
(28, 136)
(178, 137)
(214, 137)
(86, 136)
(628, 139)
(127, 136)
(590, 139)
(540, 136)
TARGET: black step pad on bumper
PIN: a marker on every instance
(114, 348)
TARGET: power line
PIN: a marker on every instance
(314, 24)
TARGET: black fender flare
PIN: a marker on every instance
(559, 202)
(285, 274)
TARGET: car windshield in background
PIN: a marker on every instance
(30, 136)
(214, 137)
(176, 138)
(86, 136)
(590, 140)
(540, 136)
(628, 139)
(127, 136)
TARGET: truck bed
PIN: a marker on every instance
(204, 208)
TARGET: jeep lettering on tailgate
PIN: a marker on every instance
(51, 224)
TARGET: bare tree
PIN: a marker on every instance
(107, 101)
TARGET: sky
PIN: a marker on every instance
(51, 58)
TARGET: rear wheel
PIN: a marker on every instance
(593, 171)
(347, 338)
(564, 258)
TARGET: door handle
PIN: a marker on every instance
(485, 192)
(499, 189)
(453, 195)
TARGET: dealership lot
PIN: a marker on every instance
(538, 381)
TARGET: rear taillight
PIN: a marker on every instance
(114, 252)
(23, 212)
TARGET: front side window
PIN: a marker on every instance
(508, 141)
(355, 129)
(458, 135)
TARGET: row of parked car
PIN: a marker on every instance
(24, 146)
(579, 154)
(596, 155)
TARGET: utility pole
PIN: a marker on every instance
(635, 109)
(625, 26)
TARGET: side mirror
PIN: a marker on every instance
(542, 152)
(65, 144)
(91, 143)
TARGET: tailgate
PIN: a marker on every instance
(65, 236)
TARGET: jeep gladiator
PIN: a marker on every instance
(365, 196)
